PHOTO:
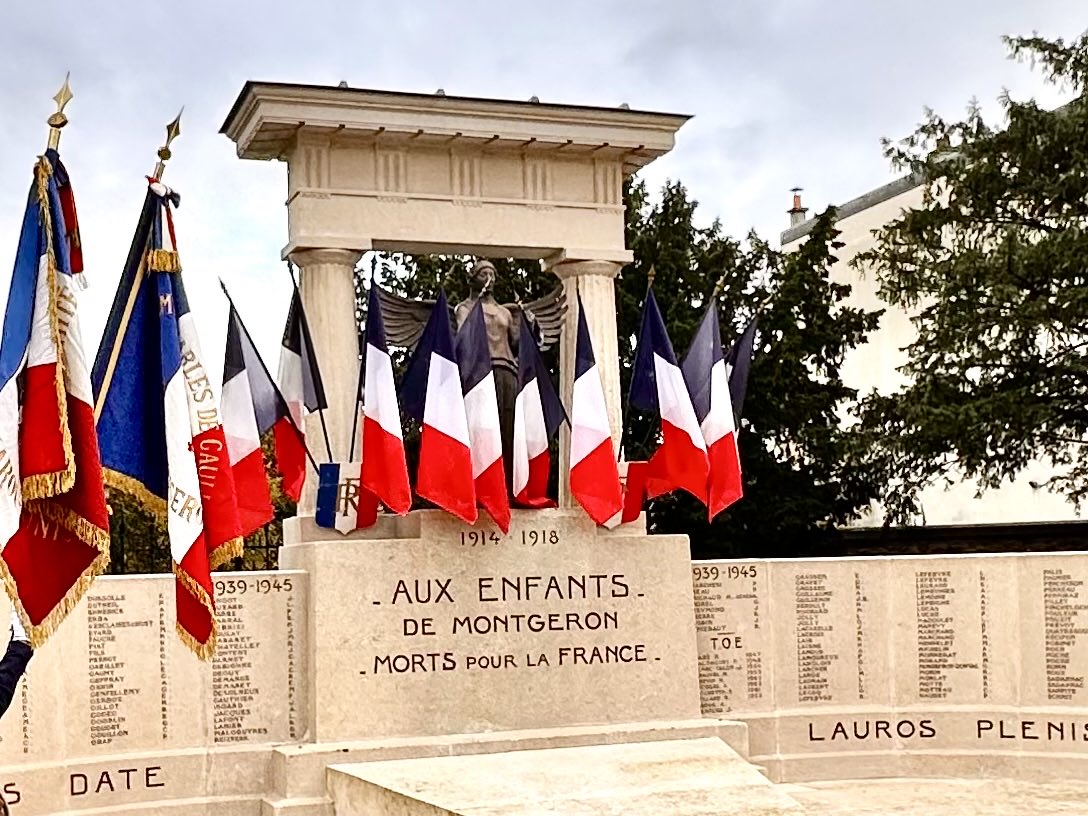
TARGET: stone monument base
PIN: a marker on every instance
(301, 779)
(679, 777)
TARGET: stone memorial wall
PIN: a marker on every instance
(447, 628)
(116, 683)
(899, 666)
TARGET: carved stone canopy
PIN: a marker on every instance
(436, 173)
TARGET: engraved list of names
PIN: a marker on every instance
(113, 691)
(730, 616)
(1064, 629)
(815, 655)
(255, 673)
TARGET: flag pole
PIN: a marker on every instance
(306, 337)
(358, 403)
(275, 385)
(173, 130)
(58, 120)
(362, 368)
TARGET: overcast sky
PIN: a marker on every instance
(784, 93)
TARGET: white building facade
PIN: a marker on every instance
(875, 365)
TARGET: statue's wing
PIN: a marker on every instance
(547, 314)
(404, 318)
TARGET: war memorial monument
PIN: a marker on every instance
(424, 666)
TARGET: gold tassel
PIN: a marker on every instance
(163, 260)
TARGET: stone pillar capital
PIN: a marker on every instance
(325, 256)
(570, 269)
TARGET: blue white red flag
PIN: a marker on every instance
(159, 423)
(54, 524)
(704, 372)
(538, 413)
(384, 471)
(594, 474)
(302, 389)
(482, 414)
(680, 461)
(738, 364)
(343, 504)
(431, 393)
(252, 406)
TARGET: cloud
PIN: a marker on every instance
(784, 93)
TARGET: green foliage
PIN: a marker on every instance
(792, 445)
(992, 268)
(138, 542)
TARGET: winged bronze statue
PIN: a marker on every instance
(405, 319)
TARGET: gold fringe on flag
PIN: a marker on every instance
(48, 485)
(163, 260)
(46, 514)
(40, 490)
(225, 552)
(202, 650)
(135, 488)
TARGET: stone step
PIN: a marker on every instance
(312, 806)
(696, 777)
(298, 771)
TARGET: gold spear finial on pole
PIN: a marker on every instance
(173, 130)
(58, 119)
(718, 287)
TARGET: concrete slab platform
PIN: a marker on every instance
(680, 777)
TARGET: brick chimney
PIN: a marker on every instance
(797, 213)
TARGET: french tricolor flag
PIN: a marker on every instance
(431, 393)
(159, 424)
(54, 524)
(384, 471)
(594, 475)
(482, 413)
(680, 461)
(202, 515)
(538, 413)
(300, 384)
(252, 406)
(738, 363)
(704, 371)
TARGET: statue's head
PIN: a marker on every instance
(482, 275)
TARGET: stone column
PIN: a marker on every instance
(328, 295)
(595, 282)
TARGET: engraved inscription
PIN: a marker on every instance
(1063, 604)
(812, 597)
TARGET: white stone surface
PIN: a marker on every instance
(677, 777)
(428, 173)
(941, 797)
(114, 710)
(900, 666)
(461, 629)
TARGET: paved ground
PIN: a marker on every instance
(940, 797)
